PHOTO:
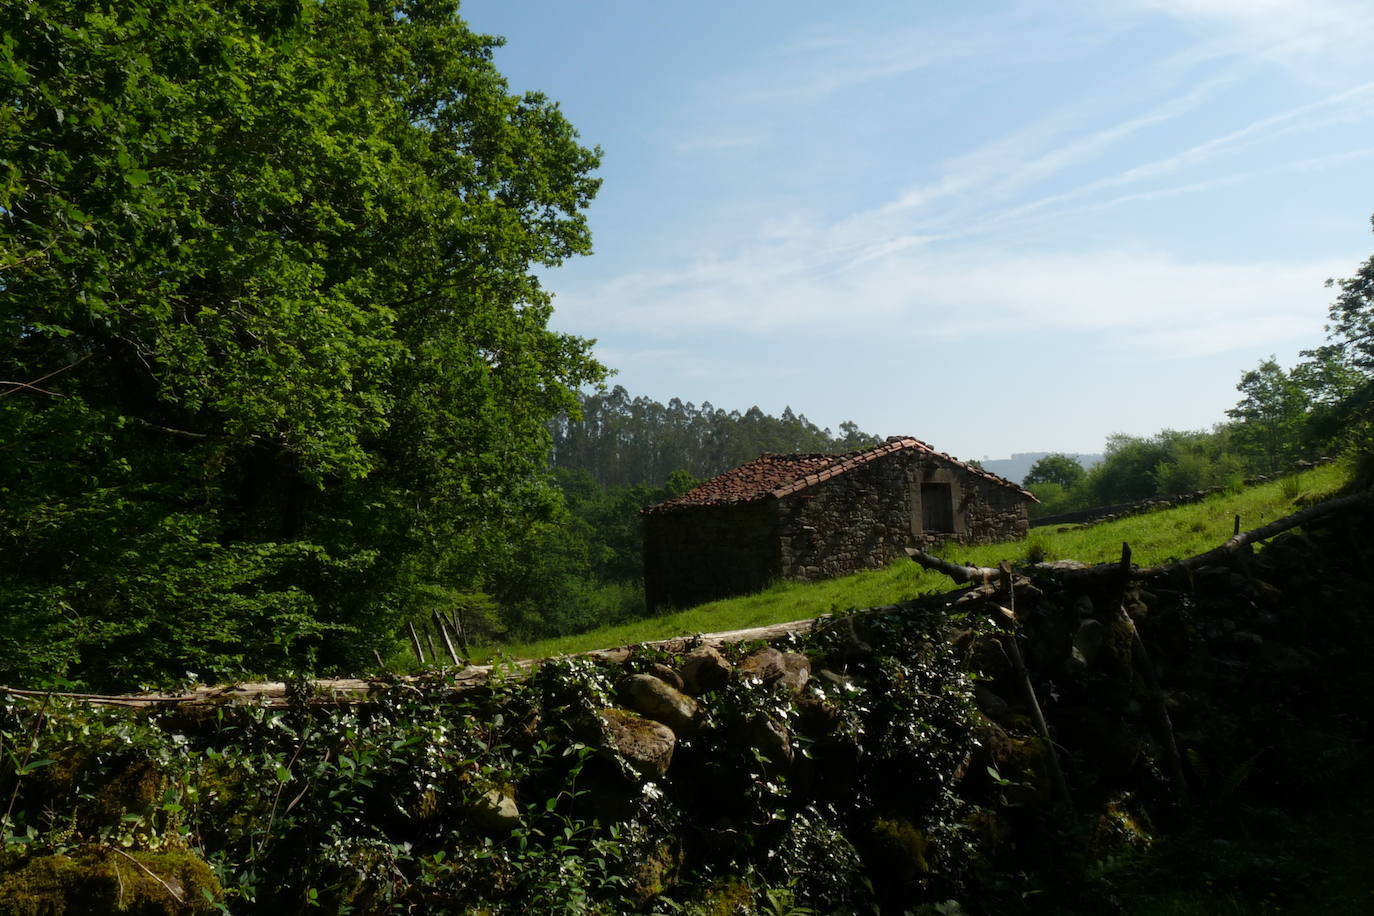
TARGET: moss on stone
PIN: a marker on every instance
(900, 853)
(96, 880)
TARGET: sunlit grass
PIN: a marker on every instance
(1154, 538)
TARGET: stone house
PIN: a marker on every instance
(818, 516)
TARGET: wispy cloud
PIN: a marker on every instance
(1351, 105)
(843, 56)
(1050, 147)
(1143, 300)
(1293, 32)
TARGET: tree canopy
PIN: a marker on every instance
(274, 354)
(1270, 416)
(1055, 468)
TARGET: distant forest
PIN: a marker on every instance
(625, 441)
(624, 453)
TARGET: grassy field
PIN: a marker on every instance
(1154, 538)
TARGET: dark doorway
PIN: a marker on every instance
(937, 507)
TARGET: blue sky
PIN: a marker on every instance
(998, 227)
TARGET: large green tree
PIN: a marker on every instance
(1339, 376)
(1057, 468)
(274, 357)
(1269, 416)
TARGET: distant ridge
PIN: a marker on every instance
(1019, 464)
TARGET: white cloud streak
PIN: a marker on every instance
(1144, 301)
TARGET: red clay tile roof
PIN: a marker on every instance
(782, 475)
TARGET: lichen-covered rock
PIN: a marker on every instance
(495, 811)
(764, 664)
(666, 675)
(649, 696)
(796, 671)
(703, 670)
(646, 745)
(771, 739)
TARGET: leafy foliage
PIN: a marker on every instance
(1057, 468)
(1339, 376)
(275, 354)
(388, 807)
(1270, 416)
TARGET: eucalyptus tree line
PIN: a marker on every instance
(625, 441)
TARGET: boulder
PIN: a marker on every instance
(770, 738)
(649, 696)
(703, 670)
(796, 671)
(1084, 606)
(646, 745)
(991, 705)
(495, 811)
(94, 879)
(763, 664)
(666, 675)
(1089, 639)
(988, 658)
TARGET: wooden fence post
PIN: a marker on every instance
(443, 634)
(415, 643)
(1042, 728)
(1157, 699)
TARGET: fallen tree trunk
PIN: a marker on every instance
(357, 690)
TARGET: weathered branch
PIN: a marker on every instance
(20, 386)
(169, 430)
(956, 572)
(29, 386)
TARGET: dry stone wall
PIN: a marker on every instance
(865, 518)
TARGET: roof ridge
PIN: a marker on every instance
(790, 473)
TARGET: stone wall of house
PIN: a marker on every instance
(994, 513)
(858, 520)
(865, 518)
(699, 554)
